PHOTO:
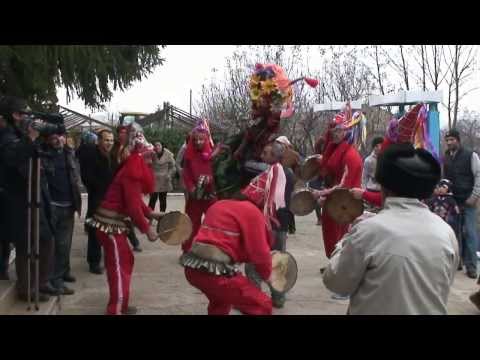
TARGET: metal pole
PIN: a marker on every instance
(37, 232)
(190, 102)
(29, 233)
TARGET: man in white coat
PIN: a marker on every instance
(401, 261)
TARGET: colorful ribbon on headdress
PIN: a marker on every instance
(356, 125)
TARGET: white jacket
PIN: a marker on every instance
(400, 262)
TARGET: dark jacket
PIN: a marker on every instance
(97, 172)
(458, 170)
(72, 170)
(15, 152)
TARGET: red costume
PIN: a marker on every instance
(341, 166)
(197, 163)
(238, 229)
(123, 197)
(398, 131)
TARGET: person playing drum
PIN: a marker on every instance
(398, 131)
(271, 94)
(234, 231)
(197, 176)
(341, 166)
(403, 260)
(123, 200)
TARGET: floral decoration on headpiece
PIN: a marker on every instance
(270, 89)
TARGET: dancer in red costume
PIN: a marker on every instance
(124, 199)
(341, 166)
(233, 232)
(197, 176)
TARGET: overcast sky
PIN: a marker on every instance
(188, 67)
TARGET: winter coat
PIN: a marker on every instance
(164, 169)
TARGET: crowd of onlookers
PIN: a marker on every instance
(64, 168)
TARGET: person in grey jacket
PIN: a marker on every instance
(164, 168)
(403, 260)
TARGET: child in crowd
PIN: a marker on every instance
(443, 204)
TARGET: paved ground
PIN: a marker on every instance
(159, 286)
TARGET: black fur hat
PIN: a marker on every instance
(408, 172)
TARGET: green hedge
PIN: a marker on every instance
(172, 139)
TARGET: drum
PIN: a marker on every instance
(284, 271)
(174, 228)
(310, 168)
(290, 158)
(342, 207)
(302, 202)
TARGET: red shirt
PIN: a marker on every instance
(125, 193)
(238, 228)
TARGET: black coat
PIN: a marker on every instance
(97, 172)
(15, 152)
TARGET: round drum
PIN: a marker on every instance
(310, 168)
(342, 207)
(284, 271)
(290, 158)
(174, 228)
(302, 202)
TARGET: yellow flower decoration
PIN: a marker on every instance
(254, 94)
(268, 86)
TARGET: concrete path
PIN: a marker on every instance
(160, 288)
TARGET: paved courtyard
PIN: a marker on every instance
(160, 288)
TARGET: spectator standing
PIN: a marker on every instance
(97, 167)
(164, 170)
(63, 179)
(462, 168)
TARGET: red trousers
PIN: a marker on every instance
(119, 267)
(332, 233)
(195, 209)
(224, 292)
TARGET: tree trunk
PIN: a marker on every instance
(405, 70)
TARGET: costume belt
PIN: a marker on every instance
(109, 221)
(209, 258)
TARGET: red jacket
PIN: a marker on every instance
(238, 228)
(343, 164)
(125, 193)
(194, 167)
(374, 198)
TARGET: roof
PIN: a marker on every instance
(74, 119)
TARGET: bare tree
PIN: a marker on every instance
(434, 60)
(468, 125)
(461, 67)
(398, 60)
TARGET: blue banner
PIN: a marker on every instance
(434, 131)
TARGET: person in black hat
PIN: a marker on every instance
(18, 143)
(402, 260)
(462, 168)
